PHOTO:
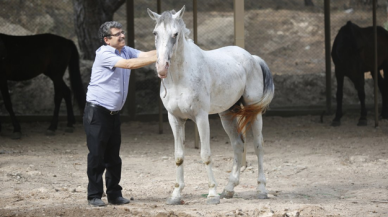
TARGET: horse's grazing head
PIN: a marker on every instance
(168, 30)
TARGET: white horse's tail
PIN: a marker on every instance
(269, 87)
(247, 113)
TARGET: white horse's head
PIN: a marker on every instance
(169, 29)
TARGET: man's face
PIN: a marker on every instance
(117, 38)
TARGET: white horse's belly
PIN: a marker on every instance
(222, 102)
(228, 82)
(188, 107)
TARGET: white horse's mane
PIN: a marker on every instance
(166, 17)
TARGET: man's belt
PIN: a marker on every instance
(102, 108)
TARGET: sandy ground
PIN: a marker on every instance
(312, 169)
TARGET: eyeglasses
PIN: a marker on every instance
(117, 34)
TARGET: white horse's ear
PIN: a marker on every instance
(180, 13)
(153, 15)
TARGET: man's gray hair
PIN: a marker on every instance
(104, 30)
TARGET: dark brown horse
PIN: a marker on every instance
(353, 56)
(25, 57)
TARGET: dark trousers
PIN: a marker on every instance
(103, 138)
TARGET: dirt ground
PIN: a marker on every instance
(312, 169)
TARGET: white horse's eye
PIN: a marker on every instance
(155, 33)
(175, 35)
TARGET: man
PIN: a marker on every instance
(107, 91)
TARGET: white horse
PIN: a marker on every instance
(228, 81)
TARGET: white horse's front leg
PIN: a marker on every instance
(257, 126)
(202, 122)
(178, 129)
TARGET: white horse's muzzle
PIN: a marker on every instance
(162, 69)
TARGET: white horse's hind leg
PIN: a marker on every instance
(177, 126)
(256, 129)
(230, 126)
(202, 121)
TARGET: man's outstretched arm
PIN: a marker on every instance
(144, 59)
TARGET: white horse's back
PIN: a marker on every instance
(231, 69)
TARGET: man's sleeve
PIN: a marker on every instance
(109, 59)
(133, 53)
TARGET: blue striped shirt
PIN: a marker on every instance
(108, 86)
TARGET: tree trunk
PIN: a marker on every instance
(88, 17)
(308, 3)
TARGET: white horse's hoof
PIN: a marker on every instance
(174, 201)
(262, 196)
(227, 194)
(213, 200)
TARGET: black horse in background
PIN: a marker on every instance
(353, 55)
(25, 57)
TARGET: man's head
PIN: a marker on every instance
(111, 33)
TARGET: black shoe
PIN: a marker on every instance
(96, 202)
(118, 201)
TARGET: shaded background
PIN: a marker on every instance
(288, 35)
